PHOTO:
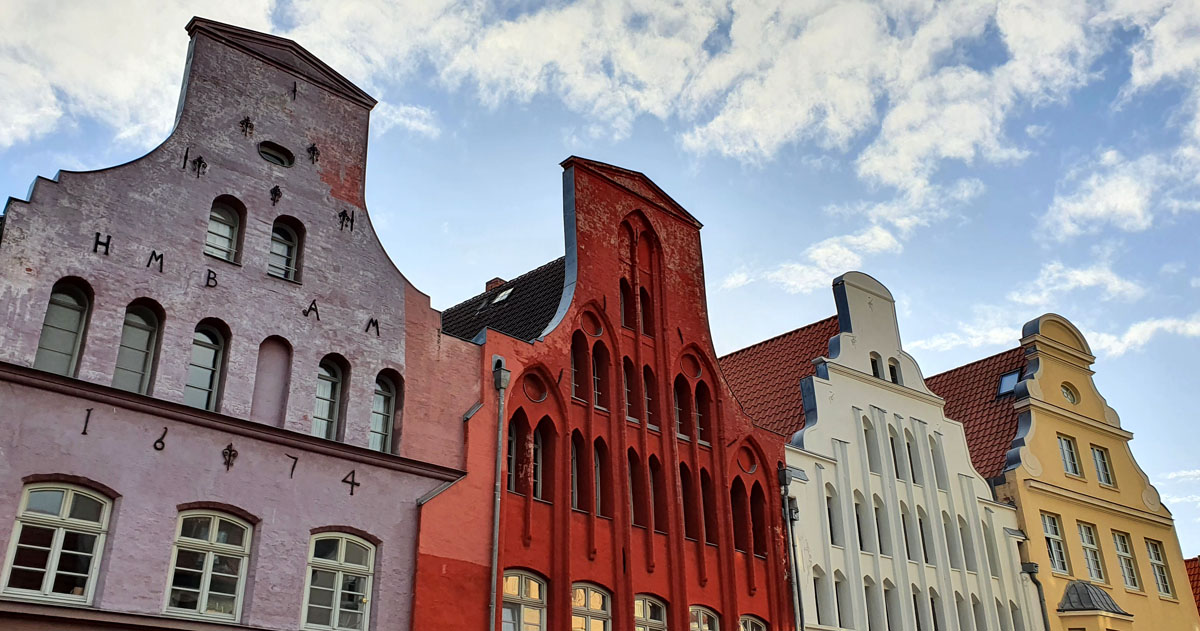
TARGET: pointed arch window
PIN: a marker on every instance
(579, 366)
(579, 483)
(660, 500)
(56, 543)
(340, 572)
(647, 312)
(709, 497)
(691, 504)
(703, 413)
(683, 411)
(600, 377)
(758, 519)
(601, 476)
(63, 329)
(739, 504)
(137, 350)
(204, 369)
(628, 306)
(637, 491)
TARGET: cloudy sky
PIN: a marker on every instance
(988, 161)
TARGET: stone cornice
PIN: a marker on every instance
(884, 384)
(1073, 417)
(1095, 502)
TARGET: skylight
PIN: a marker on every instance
(502, 295)
(1008, 381)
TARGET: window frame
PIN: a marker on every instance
(1123, 544)
(208, 549)
(1093, 558)
(698, 610)
(389, 415)
(232, 253)
(60, 525)
(1158, 567)
(643, 623)
(521, 601)
(291, 266)
(1068, 446)
(751, 623)
(1104, 474)
(337, 390)
(151, 350)
(586, 612)
(1012, 377)
(213, 402)
(338, 568)
(1051, 539)
(72, 289)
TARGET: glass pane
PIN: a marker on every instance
(321, 578)
(46, 501)
(70, 584)
(218, 584)
(52, 362)
(78, 541)
(74, 563)
(230, 533)
(26, 579)
(196, 398)
(597, 601)
(352, 583)
(186, 579)
(36, 536)
(31, 557)
(322, 597)
(512, 585)
(349, 620)
(356, 554)
(532, 618)
(190, 559)
(196, 527)
(533, 589)
(326, 549)
(184, 599)
(598, 625)
(578, 623)
(578, 597)
(204, 356)
(226, 565)
(221, 604)
(318, 616)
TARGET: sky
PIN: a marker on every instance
(987, 161)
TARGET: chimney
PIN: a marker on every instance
(494, 283)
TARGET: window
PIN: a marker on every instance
(894, 371)
(648, 394)
(1054, 543)
(275, 154)
(834, 515)
(649, 614)
(1103, 467)
(964, 537)
(895, 457)
(590, 609)
(683, 412)
(600, 377)
(628, 377)
(383, 412)
(926, 535)
(1125, 559)
(208, 564)
(601, 475)
(327, 410)
(914, 462)
(872, 446)
(876, 366)
(953, 545)
(502, 296)
(628, 315)
(578, 484)
(538, 450)
(939, 465)
(283, 259)
(135, 355)
(660, 502)
(223, 232)
(1069, 394)
(1158, 565)
(647, 312)
(1008, 382)
(204, 368)
(750, 623)
(1070, 455)
(702, 414)
(63, 329)
(703, 619)
(709, 498)
(339, 582)
(524, 603)
(56, 543)
(1091, 552)
(579, 364)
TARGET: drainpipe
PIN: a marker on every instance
(500, 377)
(791, 514)
(1032, 569)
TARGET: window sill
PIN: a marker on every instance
(1110, 487)
(684, 437)
(226, 261)
(654, 428)
(1060, 574)
(1074, 476)
(704, 443)
(577, 401)
(601, 409)
(632, 421)
(542, 501)
(46, 600)
(286, 280)
(200, 617)
(1170, 599)
(1136, 592)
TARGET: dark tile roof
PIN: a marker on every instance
(523, 314)
(765, 377)
(1193, 572)
(1084, 596)
(971, 394)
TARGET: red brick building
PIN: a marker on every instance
(633, 491)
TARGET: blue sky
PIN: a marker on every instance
(987, 161)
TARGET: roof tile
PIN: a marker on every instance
(989, 419)
(523, 313)
(1193, 572)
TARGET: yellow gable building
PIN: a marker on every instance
(1107, 555)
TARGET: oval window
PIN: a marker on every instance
(275, 154)
(1068, 393)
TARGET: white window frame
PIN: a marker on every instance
(61, 524)
(643, 618)
(80, 304)
(337, 380)
(1129, 573)
(218, 348)
(290, 242)
(1103, 463)
(586, 613)
(152, 328)
(339, 568)
(383, 415)
(1091, 551)
(208, 549)
(703, 619)
(1068, 450)
(1056, 548)
(597, 394)
(521, 602)
(538, 450)
(751, 623)
(225, 215)
(1158, 565)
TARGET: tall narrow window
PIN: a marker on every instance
(601, 476)
(703, 619)
(135, 355)
(703, 413)
(992, 555)
(683, 405)
(872, 445)
(660, 501)
(538, 449)
(637, 490)
(926, 535)
(894, 371)
(648, 393)
(579, 366)
(208, 565)
(628, 306)
(600, 377)
(834, 514)
(647, 312)
(1091, 552)
(739, 505)
(524, 602)
(952, 544)
(57, 542)
(914, 460)
(204, 368)
(284, 258)
(590, 608)
(578, 483)
(649, 614)
(909, 553)
(1070, 455)
(876, 366)
(1055, 548)
(1158, 565)
(895, 457)
(964, 537)
(328, 400)
(63, 329)
(709, 497)
(882, 531)
(1125, 558)
(224, 228)
(629, 380)
(758, 519)
(691, 503)
(339, 582)
(383, 412)
(1103, 467)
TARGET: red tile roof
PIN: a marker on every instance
(1193, 572)
(765, 377)
(989, 419)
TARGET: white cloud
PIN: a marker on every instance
(1115, 192)
(1140, 333)
(740, 278)
(1172, 267)
(831, 257)
(1196, 283)
(1056, 279)
(989, 326)
(418, 120)
(1187, 475)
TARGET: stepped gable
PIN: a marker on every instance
(766, 377)
(524, 313)
(989, 419)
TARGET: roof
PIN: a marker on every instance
(989, 419)
(766, 377)
(1193, 572)
(524, 312)
(1084, 596)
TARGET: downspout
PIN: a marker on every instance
(1032, 569)
(791, 514)
(500, 377)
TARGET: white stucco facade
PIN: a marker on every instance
(896, 530)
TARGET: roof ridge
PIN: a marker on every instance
(781, 335)
(506, 283)
(972, 363)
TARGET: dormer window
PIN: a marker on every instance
(1008, 382)
(276, 154)
(500, 297)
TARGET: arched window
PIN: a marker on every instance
(137, 350)
(980, 616)
(647, 312)
(939, 464)
(704, 619)
(628, 306)
(591, 608)
(751, 623)
(926, 534)
(683, 408)
(841, 594)
(1018, 621)
(871, 441)
(1005, 623)
(738, 503)
(383, 413)
(650, 395)
(649, 613)
(580, 365)
(224, 230)
(703, 413)
(637, 490)
(208, 565)
(524, 602)
(661, 501)
(891, 603)
(338, 592)
(518, 435)
(580, 499)
(272, 381)
(826, 609)
(905, 524)
(882, 529)
(286, 240)
(914, 460)
(691, 504)
(327, 411)
(876, 366)
(876, 615)
(56, 543)
(833, 512)
(964, 535)
(633, 400)
(863, 524)
(203, 386)
(758, 519)
(963, 610)
(601, 475)
(63, 329)
(939, 614)
(709, 496)
(952, 545)
(896, 468)
(538, 448)
(601, 392)
(894, 372)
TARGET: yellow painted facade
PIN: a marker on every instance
(1060, 485)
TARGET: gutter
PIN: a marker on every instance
(500, 377)
(791, 514)
(1032, 569)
